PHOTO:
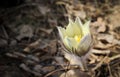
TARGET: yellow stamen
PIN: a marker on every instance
(77, 38)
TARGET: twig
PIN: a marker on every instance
(100, 63)
(115, 57)
(5, 32)
(110, 70)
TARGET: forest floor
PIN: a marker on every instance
(29, 40)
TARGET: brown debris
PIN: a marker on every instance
(29, 39)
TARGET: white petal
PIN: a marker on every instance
(73, 43)
(78, 27)
(70, 43)
(84, 45)
(62, 32)
(78, 21)
(69, 29)
(86, 28)
(67, 44)
(70, 21)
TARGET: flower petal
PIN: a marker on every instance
(71, 43)
(66, 43)
(84, 45)
(78, 21)
(77, 26)
(62, 32)
(85, 28)
(69, 29)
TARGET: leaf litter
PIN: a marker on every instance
(29, 39)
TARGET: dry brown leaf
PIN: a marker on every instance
(116, 50)
(26, 68)
(60, 60)
(100, 45)
(38, 68)
(47, 31)
(74, 73)
(43, 10)
(106, 37)
(95, 58)
(25, 31)
(32, 45)
(102, 28)
(114, 20)
(53, 22)
(52, 46)
(81, 14)
(3, 42)
(116, 32)
(48, 68)
(100, 25)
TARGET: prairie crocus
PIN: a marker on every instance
(76, 37)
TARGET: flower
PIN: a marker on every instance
(76, 37)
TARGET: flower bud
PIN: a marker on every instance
(76, 37)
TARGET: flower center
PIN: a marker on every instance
(77, 38)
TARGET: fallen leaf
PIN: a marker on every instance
(100, 25)
(47, 31)
(45, 69)
(105, 37)
(52, 46)
(43, 10)
(37, 67)
(32, 45)
(100, 45)
(81, 14)
(53, 22)
(60, 60)
(74, 73)
(3, 42)
(25, 31)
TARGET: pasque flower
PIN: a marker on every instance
(76, 37)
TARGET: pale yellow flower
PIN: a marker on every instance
(76, 36)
